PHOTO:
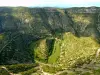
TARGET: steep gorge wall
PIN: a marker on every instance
(21, 26)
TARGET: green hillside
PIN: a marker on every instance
(60, 41)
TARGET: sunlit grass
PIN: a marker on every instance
(75, 48)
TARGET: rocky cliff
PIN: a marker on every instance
(46, 34)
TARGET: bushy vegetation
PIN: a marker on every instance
(29, 72)
(39, 50)
(51, 69)
(20, 67)
(3, 72)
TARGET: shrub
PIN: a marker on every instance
(51, 69)
(29, 72)
(3, 72)
(20, 67)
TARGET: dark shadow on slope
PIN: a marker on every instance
(16, 50)
(50, 45)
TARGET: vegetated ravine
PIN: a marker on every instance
(65, 37)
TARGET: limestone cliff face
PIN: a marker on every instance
(23, 26)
